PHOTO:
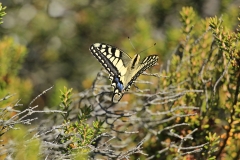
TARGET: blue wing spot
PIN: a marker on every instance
(116, 79)
(119, 84)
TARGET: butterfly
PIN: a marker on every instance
(123, 70)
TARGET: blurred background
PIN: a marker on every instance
(58, 33)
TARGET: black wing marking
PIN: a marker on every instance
(102, 56)
(110, 57)
(145, 64)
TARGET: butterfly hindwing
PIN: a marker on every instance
(123, 70)
(144, 65)
(132, 75)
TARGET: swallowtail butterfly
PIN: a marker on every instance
(123, 69)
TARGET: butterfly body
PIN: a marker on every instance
(123, 70)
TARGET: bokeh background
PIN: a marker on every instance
(58, 33)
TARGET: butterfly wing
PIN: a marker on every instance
(143, 66)
(114, 60)
(133, 74)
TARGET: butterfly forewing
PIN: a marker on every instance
(113, 59)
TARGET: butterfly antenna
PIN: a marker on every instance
(131, 43)
(147, 48)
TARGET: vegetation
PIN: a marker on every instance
(188, 107)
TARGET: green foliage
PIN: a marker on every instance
(66, 102)
(229, 46)
(212, 146)
(11, 59)
(80, 134)
(54, 98)
(202, 65)
(227, 41)
(2, 12)
(188, 18)
(4, 115)
(25, 147)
